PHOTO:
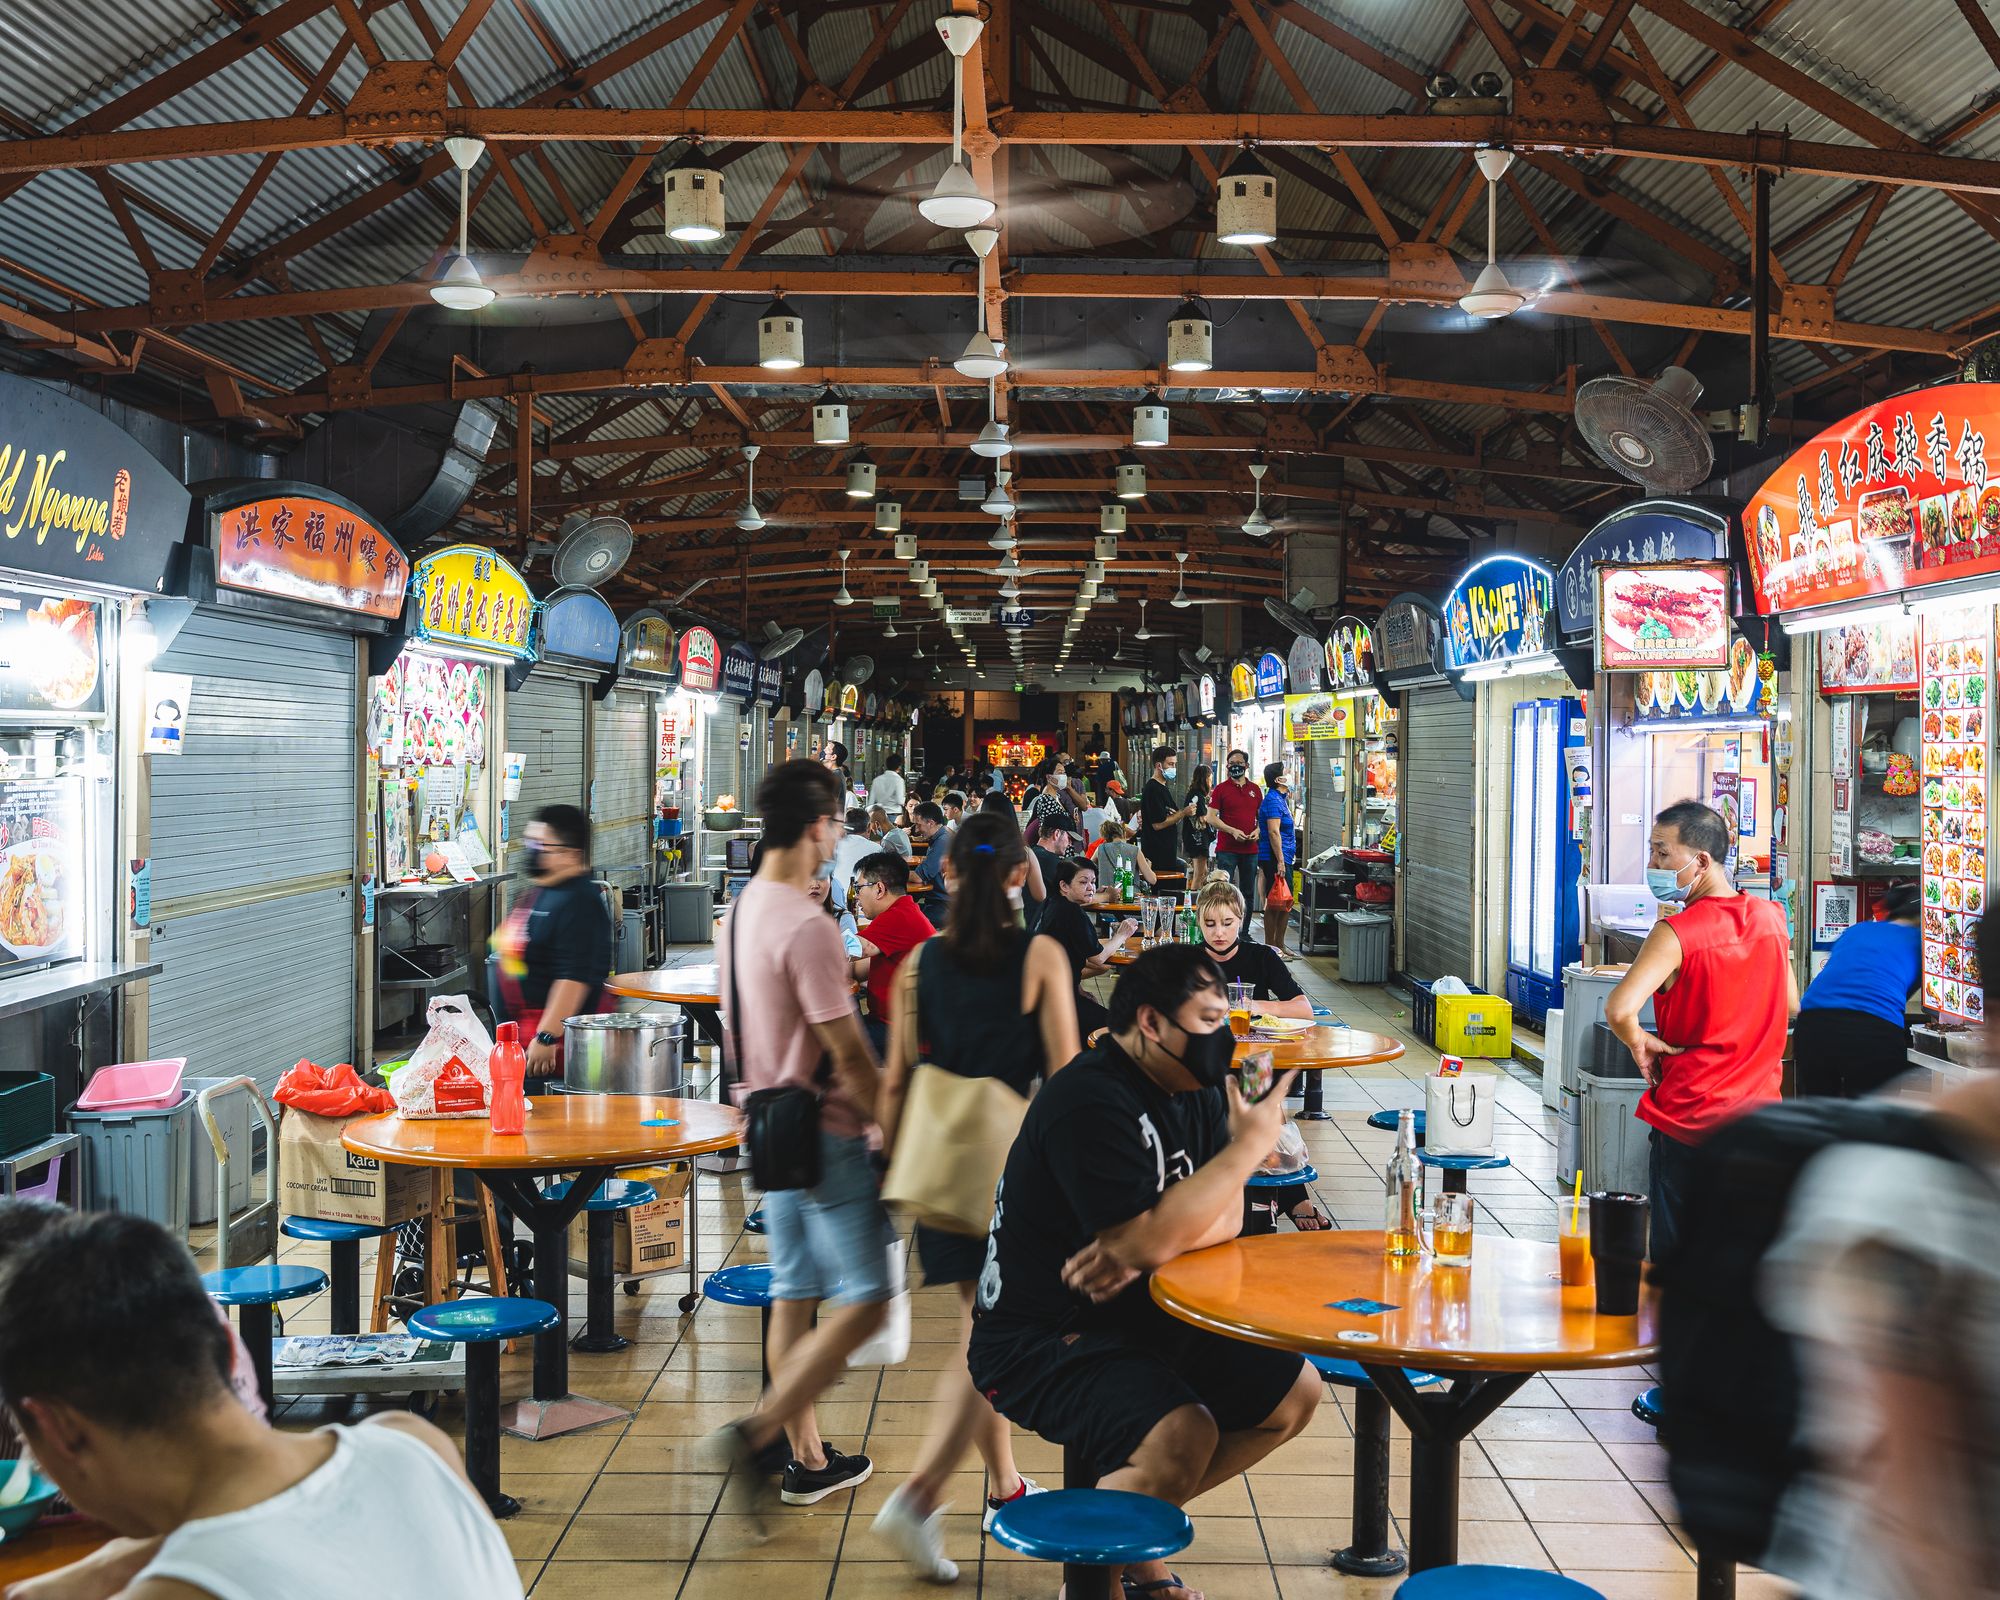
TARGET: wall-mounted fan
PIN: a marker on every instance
(778, 641)
(591, 551)
(1647, 431)
(1295, 614)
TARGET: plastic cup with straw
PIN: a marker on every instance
(1573, 1239)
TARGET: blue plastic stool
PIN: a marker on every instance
(343, 1242)
(1492, 1583)
(1282, 1180)
(749, 1284)
(1091, 1531)
(1647, 1408)
(482, 1326)
(1385, 1121)
(253, 1291)
(1455, 1168)
(613, 1195)
(754, 1223)
(1368, 1553)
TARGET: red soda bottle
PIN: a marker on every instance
(508, 1067)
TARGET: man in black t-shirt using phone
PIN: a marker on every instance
(1133, 1154)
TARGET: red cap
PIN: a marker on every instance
(507, 1033)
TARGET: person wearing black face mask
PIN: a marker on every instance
(552, 954)
(1133, 1154)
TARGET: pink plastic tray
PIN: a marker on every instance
(134, 1085)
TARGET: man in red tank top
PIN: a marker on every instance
(1718, 969)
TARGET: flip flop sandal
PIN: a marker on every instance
(1158, 1585)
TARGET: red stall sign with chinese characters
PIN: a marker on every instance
(701, 661)
(299, 547)
(1895, 497)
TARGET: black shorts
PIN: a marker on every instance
(949, 1257)
(1102, 1393)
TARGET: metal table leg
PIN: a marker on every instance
(1314, 1109)
(344, 1272)
(598, 1337)
(255, 1324)
(1368, 1553)
(1439, 1421)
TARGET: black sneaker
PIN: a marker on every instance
(805, 1486)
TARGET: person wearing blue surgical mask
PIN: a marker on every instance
(1159, 818)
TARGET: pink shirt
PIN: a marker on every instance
(791, 972)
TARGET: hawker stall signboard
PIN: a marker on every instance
(1869, 657)
(701, 661)
(1501, 610)
(1957, 673)
(646, 648)
(1407, 638)
(1896, 497)
(1242, 683)
(1305, 665)
(578, 626)
(739, 672)
(1310, 717)
(1350, 656)
(1638, 535)
(466, 595)
(81, 499)
(1204, 698)
(770, 682)
(299, 543)
(1663, 617)
(1270, 676)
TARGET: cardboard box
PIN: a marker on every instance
(318, 1177)
(651, 1238)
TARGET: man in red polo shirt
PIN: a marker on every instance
(896, 926)
(1236, 799)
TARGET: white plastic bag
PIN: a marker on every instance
(1289, 1154)
(447, 1076)
(1450, 985)
(889, 1345)
(1458, 1114)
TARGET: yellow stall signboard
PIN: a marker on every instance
(1319, 716)
(467, 595)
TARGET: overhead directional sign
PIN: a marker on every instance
(1017, 619)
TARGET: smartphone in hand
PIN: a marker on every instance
(1256, 1075)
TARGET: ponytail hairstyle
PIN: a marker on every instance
(979, 927)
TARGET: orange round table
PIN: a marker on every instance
(589, 1136)
(1487, 1327)
(49, 1547)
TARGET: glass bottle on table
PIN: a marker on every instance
(1402, 1233)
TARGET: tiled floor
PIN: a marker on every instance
(1562, 1477)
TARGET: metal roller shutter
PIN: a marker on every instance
(545, 726)
(621, 786)
(253, 852)
(1437, 842)
(721, 759)
(1326, 810)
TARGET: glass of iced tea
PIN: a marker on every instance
(1573, 1243)
(1239, 1008)
(1451, 1230)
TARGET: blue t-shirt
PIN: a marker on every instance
(1872, 967)
(1276, 805)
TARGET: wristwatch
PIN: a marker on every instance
(545, 1037)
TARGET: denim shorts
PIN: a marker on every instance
(831, 1242)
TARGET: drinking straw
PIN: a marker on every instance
(1576, 1202)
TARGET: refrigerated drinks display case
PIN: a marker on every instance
(1545, 862)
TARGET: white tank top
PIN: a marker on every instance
(384, 1515)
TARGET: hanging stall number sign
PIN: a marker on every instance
(467, 595)
(1204, 691)
(302, 547)
(1501, 610)
(1895, 497)
(1350, 656)
(701, 661)
(1663, 617)
(1957, 663)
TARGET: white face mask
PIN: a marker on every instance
(1062, 780)
(1014, 894)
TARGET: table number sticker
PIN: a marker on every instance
(660, 1122)
(1358, 1336)
(1361, 1308)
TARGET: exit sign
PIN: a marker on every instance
(887, 606)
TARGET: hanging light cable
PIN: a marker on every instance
(460, 289)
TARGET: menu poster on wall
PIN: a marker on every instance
(1311, 717)
(1725, 794)
(1869, 657)
(51, 653)
(1663, 617)
(1840, 839)
(426, 711)
(42, 890)
(1957, 663)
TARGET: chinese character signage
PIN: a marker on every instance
(1895, 497)
(1350, 656)
(1270, 675)
(1407, 638)
(1242, 683)
(1957, 673)
(578, 626)
(646, 645)
(1650, 531)
(301, 545)
(1869, 657)
(871, 707)
(80, 498)
(42, 891)
(1649, 618)
(770, 682)
(1318, 716)
(739, 672)
(1305, 666)
(701, 661)
(466, 595)
(1204, 697)
(51, 653)
(1502, 610)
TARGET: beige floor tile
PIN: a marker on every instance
(1642, 1463)
(1231, 1583)
(1278, 1496)
(796, 1533)
(574, 1452)
(964, 1490)
(1513, 1458)
(1599, 1394)
(653, 1493)
(596, 1536)
(658, 1452)
(593, 1580)
(1548, 1424)
(961, 1539)
(1323, 1583)
(872, 1580)
(532, 1535)
(1614, 1546)
(1504, 1544)
(1231, 1499)
(1225, 1541)
(529, 1571)
(1616, 1585)
(1617, 1427)
(1661, 1498)
(707, 1580)
(1554, 1501)
(549, 1491)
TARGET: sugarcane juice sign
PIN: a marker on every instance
(80, 498)
(466, 595)
(1502, 610)
(1896, 497)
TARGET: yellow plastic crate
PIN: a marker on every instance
(1475, 1025)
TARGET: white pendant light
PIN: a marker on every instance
(1257, 525)
(1190, 338)
(1492, 296)
(1129, 483)
(691, 206)
(1180, 601)
(1144, 632)
(841, 596)
(997, 503)
(981, 357)
(1010, 590)
(890, 631)
(1002, 537)
(861, 478)
(888, 516)
(1105, 547)
(1149, 424)
(749, 520)
(1111, 518)
(1246, 203)
(829, 419)
(992, 442)
(906, 550)
(956, 201)
(918, 633)
(781, 338)
(460, 289)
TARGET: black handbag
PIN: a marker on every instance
(781, 1124)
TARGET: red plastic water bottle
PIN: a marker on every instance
(508, 1067)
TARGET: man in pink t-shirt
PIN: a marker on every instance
(791, 1022)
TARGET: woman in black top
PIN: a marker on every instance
(1066, 919)
(1045, 801)
(1219, 910)
(1198, 827)
(982, 999)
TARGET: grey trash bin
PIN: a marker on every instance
(1364, 946)
(686, 911)
(137, 1161)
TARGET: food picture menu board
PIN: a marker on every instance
(42, 904)
(427, 711)
(51, 654)
(1669, 617)
(1957, 668)
(1869, 657)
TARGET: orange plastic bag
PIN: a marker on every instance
(1280, 898)
(330, 1091)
